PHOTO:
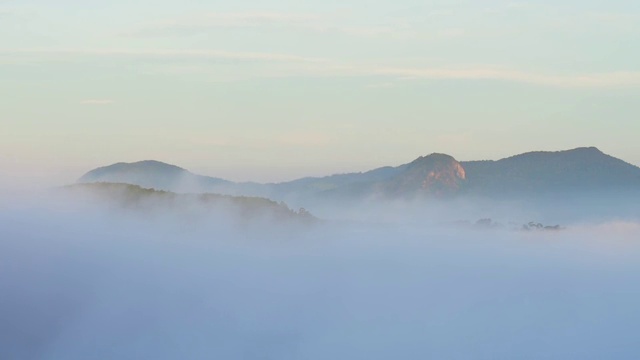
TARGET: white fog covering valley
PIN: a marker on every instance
(80, 279)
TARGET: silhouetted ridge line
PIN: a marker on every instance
(585, 169)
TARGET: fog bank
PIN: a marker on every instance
(93, 282)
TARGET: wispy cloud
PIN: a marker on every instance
(604, 21)
(165, 53)
(22, 12)
(440, 13)
(381, 85)
(7, 14)
(97, 102)
(301, 66)
(315, 22)
(304, 138)
(518, 5)
(571, 19)
(596, 80)
(250, 19)
(388, 74)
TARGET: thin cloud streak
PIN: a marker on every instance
(314, 22)
(97, 102)
(165, 53)
(251, 19)
(487, 73)
(597, 80)
(321, 67)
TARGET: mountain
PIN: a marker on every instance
(153, 174)
(435, 175)
(577, 170)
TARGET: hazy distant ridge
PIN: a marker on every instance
(581, 169)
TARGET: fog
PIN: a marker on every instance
(568, 209)
(80, 280)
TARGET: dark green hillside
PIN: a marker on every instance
(139, 198)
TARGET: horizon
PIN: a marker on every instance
(347, 172)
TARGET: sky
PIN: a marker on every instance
(279, 89)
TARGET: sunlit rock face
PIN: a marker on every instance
(435, 174)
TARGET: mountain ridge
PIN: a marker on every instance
(436, 174)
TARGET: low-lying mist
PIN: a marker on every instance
(81, 280)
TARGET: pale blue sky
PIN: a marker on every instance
(273, 90)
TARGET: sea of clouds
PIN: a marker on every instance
(85, 281)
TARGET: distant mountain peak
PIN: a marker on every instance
(433, 157)
(144, 166)
(436, 165)
(587, 151)
(150, 164)
(586, 148)
(591, 150)
(153, 163)
(150, 174)
(435, 174)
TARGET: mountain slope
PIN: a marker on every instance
(153, 174)
(582, 169)
(435, 174)
(577, 170)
